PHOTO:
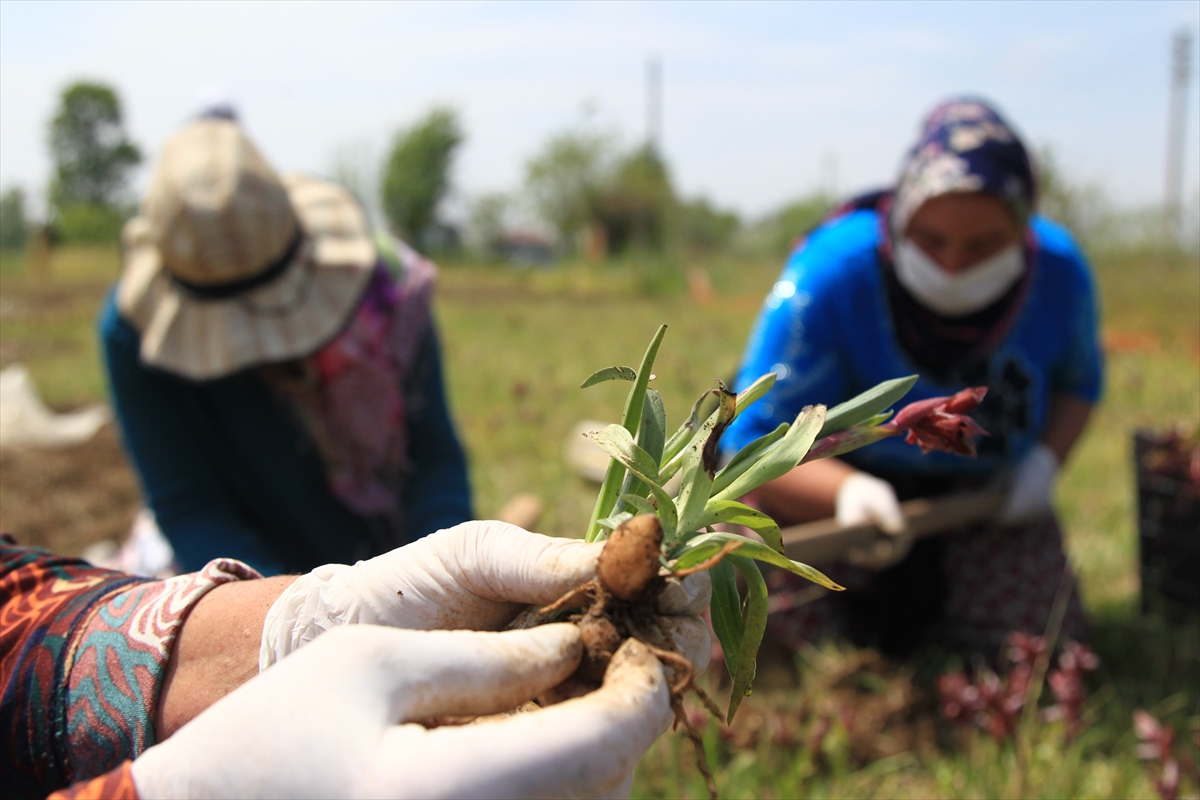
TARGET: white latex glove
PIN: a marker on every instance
(1031, 487)
(863, 499)
(474, 576)
(335, 720)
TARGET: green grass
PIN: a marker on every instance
(518, 343)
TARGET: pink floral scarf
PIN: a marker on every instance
(350, 394)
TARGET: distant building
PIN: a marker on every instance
(528, 249)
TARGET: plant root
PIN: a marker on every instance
(697, 745)
(579, 597)
(621, 603)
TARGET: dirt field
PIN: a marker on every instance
(64, 500)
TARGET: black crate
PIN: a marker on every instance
(1168, 534)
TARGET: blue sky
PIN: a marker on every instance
(761, 100)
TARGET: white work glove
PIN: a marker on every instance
(1031, 487)
(337, 720)
(866, 500)
(474, 576)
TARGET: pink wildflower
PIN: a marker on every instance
(940, 423)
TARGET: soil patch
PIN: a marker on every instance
(65, 500)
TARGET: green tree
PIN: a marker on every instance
(568, 179)
(778, 233)
(638, 201)
(703, 227)
(14, 227)
(92, 155)
(416, 175)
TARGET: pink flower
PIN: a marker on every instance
(959, 697)
(940, 423)
(1156, 745)
(1156, 739)
(1025, 649)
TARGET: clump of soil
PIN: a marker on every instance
(621, 603)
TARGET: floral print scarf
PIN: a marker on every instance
(350, 394)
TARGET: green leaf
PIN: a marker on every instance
(615, 521)
(610, 489)
(642, 505)
(746, 457)
(754, 625)
(699, 463)
(683, 435)
(781, 458)
(673, 455)
(653, 431)
(637, 395)
(871, 402)
(726, 612)
(706, 545)
(753, 392)
(617, 442)
(650, 438)
(736, 513)
(846, 440)
(609, 374)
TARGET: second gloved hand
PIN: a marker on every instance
(341, 719)
(1031, 487)
(474, 576)
(863, 499)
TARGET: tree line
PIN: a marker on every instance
(586, 193)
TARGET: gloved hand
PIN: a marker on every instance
(1031, 487)
(864, 499)
(335, 720)
(475, 576)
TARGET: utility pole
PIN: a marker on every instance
(654, 101)
(1181, 62)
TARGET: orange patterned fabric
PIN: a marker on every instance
(115, 785)
(83, 653)
(44, 600)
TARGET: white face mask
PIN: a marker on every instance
(957, 294)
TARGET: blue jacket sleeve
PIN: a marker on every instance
(1079, 369)
(795, 337)
(195, 511)
(437, 495)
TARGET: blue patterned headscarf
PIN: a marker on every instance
(965, 146)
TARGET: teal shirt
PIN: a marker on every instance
(229, 471)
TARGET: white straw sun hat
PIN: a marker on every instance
(230, 266)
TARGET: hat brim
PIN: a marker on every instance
(288, 318)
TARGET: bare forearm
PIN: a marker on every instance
(1065, 423)
(217, 649)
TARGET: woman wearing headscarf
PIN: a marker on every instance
(953, 276)
(275, 368)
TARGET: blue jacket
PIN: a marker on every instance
(229, 471)
(826, 331)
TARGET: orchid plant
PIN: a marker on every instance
(645, 458)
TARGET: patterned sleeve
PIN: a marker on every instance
(83, 653)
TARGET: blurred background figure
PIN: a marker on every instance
(274, 367)
(952, 275)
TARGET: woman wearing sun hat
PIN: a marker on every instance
(950, 275)
(274, 368)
